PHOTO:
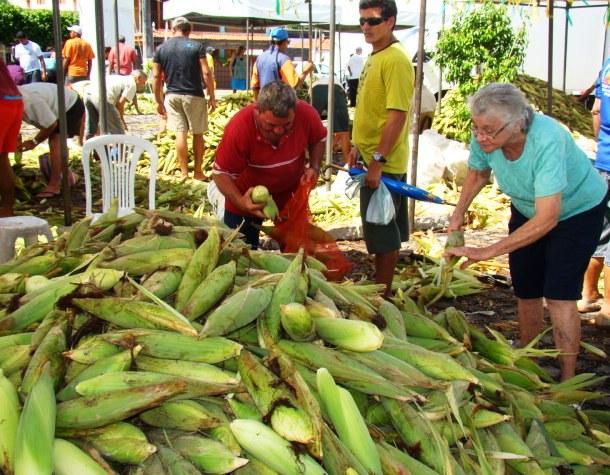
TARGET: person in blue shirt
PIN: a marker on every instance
(557, 206)
(601, 257)
(275, 65)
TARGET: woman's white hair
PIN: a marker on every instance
(502, 100)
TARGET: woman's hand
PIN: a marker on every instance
(456, 223)
(472, 254)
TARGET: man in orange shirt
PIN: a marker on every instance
(78, 55)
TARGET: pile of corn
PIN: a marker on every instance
(226, 108)
(157, 343)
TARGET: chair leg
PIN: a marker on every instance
(31, 239)
(7, 249)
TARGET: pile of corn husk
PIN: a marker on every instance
(158, 343)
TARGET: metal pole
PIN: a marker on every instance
(607, 36)
(419, 79)
(61, 108)
(330, 117)
(302, 43)
(248, 53)
(99, 32)
(565, 45)
(310, 58)
(116, 36)
(147, 31)
(440, 70)
(549, 90)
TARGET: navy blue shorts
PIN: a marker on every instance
(554, 266)
(248, 229)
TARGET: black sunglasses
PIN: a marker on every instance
(372, 21)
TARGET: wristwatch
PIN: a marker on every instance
(378, 157)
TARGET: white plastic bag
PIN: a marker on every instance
(381, 207)
(217, 200)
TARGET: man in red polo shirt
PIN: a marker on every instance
(265, 144)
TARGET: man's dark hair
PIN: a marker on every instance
(20, 35)
(122, 39)
(388, 7)
(277, 97)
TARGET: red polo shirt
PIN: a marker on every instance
(245, 155)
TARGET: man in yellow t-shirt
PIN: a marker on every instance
(209, 57)
(77, 54)
(380, 130)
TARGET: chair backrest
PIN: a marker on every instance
(119, 155)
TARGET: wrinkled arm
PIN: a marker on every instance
(473, 184)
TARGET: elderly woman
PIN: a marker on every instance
(558, 202)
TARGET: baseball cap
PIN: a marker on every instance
(76, 29)
(210, 49)
(278, 34)
(180, 21)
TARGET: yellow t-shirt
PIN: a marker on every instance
(386, 82)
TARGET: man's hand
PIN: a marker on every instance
(247, 206)
(373, 175)
(26, 145)
(307, 67)
(472, 254)
(310, 175)
(161, 110)
(212, 104)
(352, 157)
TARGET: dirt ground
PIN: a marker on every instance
(496, 308)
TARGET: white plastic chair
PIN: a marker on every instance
(27, 227)
(119, 155)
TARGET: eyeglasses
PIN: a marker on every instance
(489, 135)
(372, 21)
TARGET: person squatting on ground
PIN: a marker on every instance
(41, 110)
(265, 144)
(119, 91)
(558, 203)
(180, 63)
(381, 123)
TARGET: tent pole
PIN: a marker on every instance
(549, 91)
(101, 66)
(248, 53)
(147, 31)
(419, 79)
(310, 58)
(440, 70)
(330, 116)
(565, 45)
(61, 107)
(607, 35)
(115, 7)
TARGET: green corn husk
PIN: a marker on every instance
(68, 459)
(174, 463)
(9, 421)
(203, 372)
(171, 345)
(122, 443)
(184, 415)
(36, 430)
(346, 418)
(90, 349)
(96, 411)
(297, 322)
(264, 444)
(238, 310)
(163, 282)
(118, 362)
(208, 455)
(127, 313)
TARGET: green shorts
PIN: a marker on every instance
(381, 239)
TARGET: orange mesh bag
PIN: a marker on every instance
(294, 230)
